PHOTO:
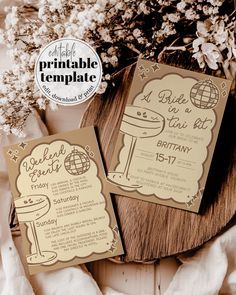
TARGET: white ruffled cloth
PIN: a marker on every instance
(210, 271)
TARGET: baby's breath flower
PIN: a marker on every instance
(173, 17)
(53, 106)
(2, 119)
(191, 14)
(59, 29)
(102, 87)
(41, 103)
(181, 5)
(107, 77)
(137, 33)
(144, 8)
(119, 31)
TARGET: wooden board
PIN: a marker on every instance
(134, 278)
(151, 231)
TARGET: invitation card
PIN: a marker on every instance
(62, 203)
(167, 135)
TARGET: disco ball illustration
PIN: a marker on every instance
(77, 163)
(204, 94)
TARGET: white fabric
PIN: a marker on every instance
(109, 291)
(67, 281)
(210, 271)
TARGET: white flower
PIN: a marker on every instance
(104, 57)
(1, 36)
(107, 77)
(81, 16)
(215, 10)
(120, 6)
(137, 33)
(191, 14)
(18, 132)
(12, 19)
(112, 2)
(97, 7)
(128, 14)
(26, 78)
(33, 58)
(73, 15)
(230, 73)
(59, 29)
(112, 27)
(105, 34)
(102, 87)
(56, 5)
(2, 119)
(197, 43)
(3, 100)
(173, 17)
(210, 54)
(43, 29)
(199, 7)
(53, 106)
(203, 28)
(93, 26)
(79, 33)
(100, 17)
(6, 128)
(87, 23)
(103, 3)
(24, 56)
(41, 103)
(55, 18)
(10, 36)
(231, 46)
(114, 61)
(10, 111)
(41, 12)
(12, 96)
(111, 50)
(142, 40)
(167, 29)
(207, 10)
(220, 33)
(90, 13)
(181, 6)
(215, 2)
(143, 8)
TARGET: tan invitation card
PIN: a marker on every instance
(167, 135)
(62, 203)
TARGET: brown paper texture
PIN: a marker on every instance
(62, 204)
(168, 135)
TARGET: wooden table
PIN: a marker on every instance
(135, 279)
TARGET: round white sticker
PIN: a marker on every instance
(68, 71)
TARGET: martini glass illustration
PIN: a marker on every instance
(29, 209)
(137, 123)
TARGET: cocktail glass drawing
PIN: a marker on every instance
(29, 209)
(137, 123)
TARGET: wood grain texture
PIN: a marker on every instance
(126, 278)
(152, 231)
(135, 278)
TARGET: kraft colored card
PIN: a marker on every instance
(167, 135)
(62, 203)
